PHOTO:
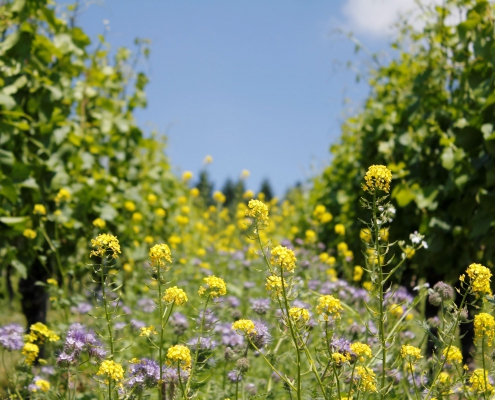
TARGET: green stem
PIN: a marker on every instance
(484, 367)
(237, 388)
(352, 380)
(107, 315)
(160, 349)
(184, 395)
(336, 379)
(414, 381)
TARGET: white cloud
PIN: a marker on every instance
(377, 17)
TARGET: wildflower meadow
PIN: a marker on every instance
(124, 280)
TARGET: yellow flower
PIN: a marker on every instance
(367, 381)
(112, 370)
(329, 306)
(444, 378)
(275, 283)
(358, 273)
(258, 211)
(152, 198)
(340, 358)
(187, 176)
(410, 352)
(216, 286)
(319, 210)
(244, 174)
(208, 159)
(342, 247)
(324, 257)
(284, 258)
(194, 192)
(244, 325)
(480, 278)
(148, 331)
(396, 310)
(340, 229)
(479, 381)
(160, 212)
(377, 177)
(137, 217)
(99, 223)
(248, 194)
(149, 239)
(29, 233)
(130, 206)
(52, 281)
(310, 236)
(104, 242)
(42, 385)
(365, 235)
(127, 267)
(62, 195)
(298, 313)
(179, 354)
(31, 351)
(182, 220)
(384, 234)
(175, 295)
(484, 326)
(160, 255)
(368, 285)
(325, 217)
(453, 354)
(40, 332)
(361, 350)
(39, 209)
(219, 196)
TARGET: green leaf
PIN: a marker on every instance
(447, 157)
(6, 157)
(20, 268)
(10, 221)
(403, 194)
(7, 101)
(7, 189)
(9, 42)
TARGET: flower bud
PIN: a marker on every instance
(435, 299)
(229, 354)
(445, 291)
(242, 365)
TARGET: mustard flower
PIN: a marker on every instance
(52, 281)
(299, 314)
(248, 194)
(479, 381)
(453, 354)
(284, 258)
(40, 384)
(358, 273)
(175, 295)
(39, 209)
(384, 234)
(329, 306)
(361, 350)
(216, 287)
(104, 242)
(99, 223)
(410, 352)
(147, 331)
(152, 198)
(480, 278)
(208, 160)
(340, 358)
(310, 236)
(160, 255)
(274, 283)
(340, 229)
(325, 217)
(179, 354)
(130, 206)
(367, 380)
(244, 325)
(365, 235)
(187, 176)
(396, 310)
(31, 351)
(219, 197)
(62, 195)
(484, 326)
(194, 192)
(258, 211)
(112, 370)
(377, 177)
(40, 332)
(160, 212)
(29, 233)
(137, 217)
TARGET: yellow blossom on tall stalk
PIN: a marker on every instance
(284, 258)
(105, 242)
(365, 235)
(147, 331)
(187, 176)
(29, 233)
(194, 192)
(480, 278)
(310, 236)
(39, 209)
(274, 283)
(340, 358)
(484, 327)
(258, 211)
(160, 212)
(410, 352)
(361, 350)
(219, 197)
(299, 314)
(479, 381)
(377, 177)
(137, 217)
(358, 273)
(396, 310)
(31, 351)
(367, 380)
(130, 206)
(244, 325)
(175, 295)
(340, 229)
(329, 306)
(112, 370)
(41, 384)
(160, 255)
(99, 223)
(179, 354)
(248, 194)
(152, 198)
(38, 332)
(215, 287)
(62, 195)
(452, 354)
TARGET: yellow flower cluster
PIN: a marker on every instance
(39, 209)
(259, 211)
(175, 295)
(216, 287)
(148, 331)
(396, 310)
(410, 352)
(340, 359)
(358, 273)
(284, 258)
(340, 229)
(130, 206)
(361, 350)
(479, 381)
(377, 177)
(453, 354)
(160, 255)
(480, 278)
(365, 235)
(484, 326)
(275, 283)
(41, 384)
(112, 370)
(329, 306)
(39, 332)
(62, 195)
(30, 350)
(99, 223)
(321, 214)
(298, 313)
(104, 242)
(367, 380)
(179, 354)
(244, 325)
(29, 233)
(219, 197)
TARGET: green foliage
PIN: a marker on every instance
(66, 122)
(429, 118)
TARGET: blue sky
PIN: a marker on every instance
(258, 85)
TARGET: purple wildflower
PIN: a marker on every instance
(82, 308)
(11, 337)
(170, 375)
(80, 339)
(234, 376)
(260, 306)
(147, 305)
(144, 374)
(179, 323)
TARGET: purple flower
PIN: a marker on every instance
(80, 339)
(170, 375)
(11, 337)
(144, 374)
(262, 336)
(210, 319)
(136, 324)
(260, 306)
(234, 376)
(229, 337)
(82, 308)
(398, 296)
(179, 323)
(232, 302)
(205, 344)
(147, 305)
(340, 345)
(249, 285)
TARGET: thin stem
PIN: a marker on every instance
(484, 367)
(237, 388)
(414, 381)
(180, 381)
(352, 379)
(160, 349)
(336, 379)
(107, 316)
